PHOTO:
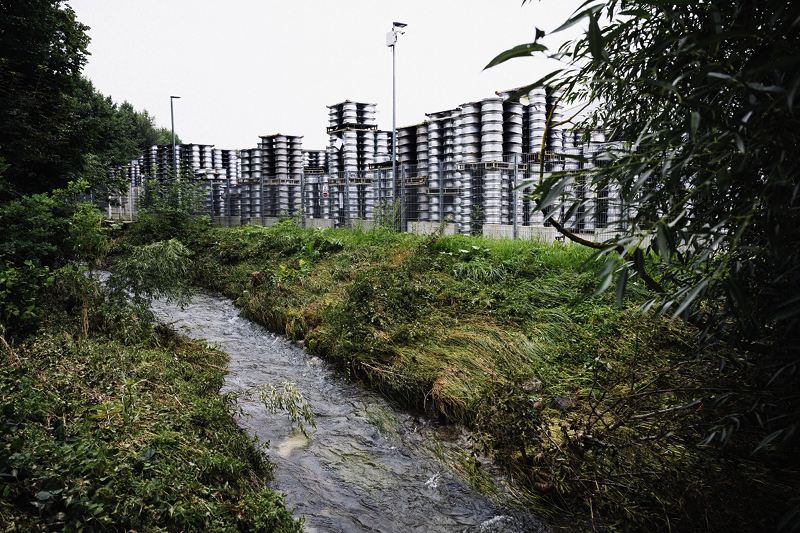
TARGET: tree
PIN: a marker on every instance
(701, 101)
(54, 125)
(42, 50)
(116, 134)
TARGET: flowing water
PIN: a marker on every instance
(367, 466)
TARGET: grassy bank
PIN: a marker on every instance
(595, 412)
(110, 425)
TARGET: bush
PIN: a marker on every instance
(99, 436)
(20, 309)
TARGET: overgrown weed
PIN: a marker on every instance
(109, 423)
(588, 407)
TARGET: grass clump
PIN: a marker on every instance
(121, 428)
(595, 412)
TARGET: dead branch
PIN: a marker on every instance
(12, 357)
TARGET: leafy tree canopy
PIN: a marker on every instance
(42, 50)
(701, 101)
(54, 125)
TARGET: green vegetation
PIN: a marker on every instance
(54, 125)
(126, 431)
(107, 421)
(700, 99)
(598, 415)
(594, 411)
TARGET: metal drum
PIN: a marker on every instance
(349, 113)
(491, 105)
(470, 108)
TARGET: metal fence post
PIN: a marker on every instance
(441, 193)
(347, 199)
(228, 198)
(329, 200)
(211, 191)
(303, 197)
(378, 207)
(403, 199)
(515, 196)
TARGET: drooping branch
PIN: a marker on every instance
(652, 284)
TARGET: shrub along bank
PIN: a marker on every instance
(107, 424)
(591, 410)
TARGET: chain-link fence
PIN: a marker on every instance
(449, 192)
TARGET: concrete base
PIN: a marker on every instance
(430, 228)
(359, 224)
(227, 222)
(541, 233)
(266, 222)
(324, 223)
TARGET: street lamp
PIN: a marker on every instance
(391, 40)
(174, 155)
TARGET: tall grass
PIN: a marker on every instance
(122, 428)
(587, 406)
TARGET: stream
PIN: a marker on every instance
(368, 466)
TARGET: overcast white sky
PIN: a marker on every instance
(246, 68)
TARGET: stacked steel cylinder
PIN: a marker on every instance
(354, 142)
(539, 145)
(556, 114)
(279, 188)
(122, 206)
(412, 153)
(492, 151)
(537, 120)
(512, 157)
(468, 147)
(435, 153)
(461, 165)
(453, 200)
(211, 168)
(251, 182)
(315, 169)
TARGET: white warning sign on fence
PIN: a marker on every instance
(325, 190)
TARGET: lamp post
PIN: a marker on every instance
(174, 154)
(391, 40)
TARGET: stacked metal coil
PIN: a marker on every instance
(555, 108)
(382, 142)
(436, 140)
(512, 155)
(537, 120)
(419, 197)
(468, 150)
(492, 151)
(454, 201)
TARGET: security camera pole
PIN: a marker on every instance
(391, 39)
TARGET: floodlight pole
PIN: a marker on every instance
(174, 154)
(394, 127)
(391, 40)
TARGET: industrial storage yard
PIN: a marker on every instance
(343, 328)
(465, 169)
